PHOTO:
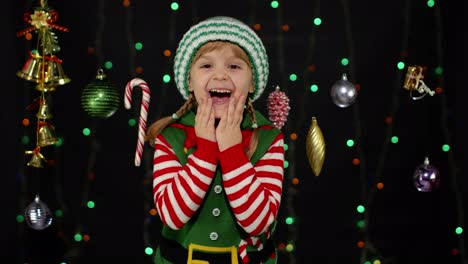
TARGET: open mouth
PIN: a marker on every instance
(220, 93)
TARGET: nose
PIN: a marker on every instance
(220, 74)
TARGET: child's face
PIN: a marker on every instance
(222, 75)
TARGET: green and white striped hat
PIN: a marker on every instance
(224, 29)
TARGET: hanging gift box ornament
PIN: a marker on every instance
(278, 107)
(100, 98)
(343, 93)
(414, 82)
(315, 147)
(38, 215)
(426, 177)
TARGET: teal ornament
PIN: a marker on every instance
(100, 98)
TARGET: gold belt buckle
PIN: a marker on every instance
(192, 247)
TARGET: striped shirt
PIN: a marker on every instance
(253, 192)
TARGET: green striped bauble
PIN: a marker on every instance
(100, 98)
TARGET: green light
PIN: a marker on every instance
(459, 230)
(77, 237)
(394, 139)
(285, 146)
(313, 88)
(174, 6)
(367, 262)
(344, 61)
(289, 220)
(360, 209)
(58, 213)
(360, 224)
(131, 122)
(90, 204)
(25, 140)
(430, 3)
(166, 78)
(286, 164)
(289, 247)
(350, 143)
(293, 77)
(274, 4)
(20, 218)
(439, 70)
(445, 147)
(86, 131)
(317, 21)
(401, 65)
(148, 251)
(59, 142)
(138, 46)
(108, 65)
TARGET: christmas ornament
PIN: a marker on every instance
(143, 112)
(413, 82)
(315, 147)
(38, 215)
(100, 98)
(426, 177)
(278, 107)
(343, 92)
(36, 158)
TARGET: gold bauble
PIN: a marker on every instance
(315, 147)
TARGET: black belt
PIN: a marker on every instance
(175, 253)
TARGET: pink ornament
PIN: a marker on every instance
(278, 107)
(426, 177)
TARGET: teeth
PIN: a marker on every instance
(220, 91)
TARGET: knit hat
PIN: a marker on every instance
(225, 29)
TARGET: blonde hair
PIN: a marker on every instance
(190, 103)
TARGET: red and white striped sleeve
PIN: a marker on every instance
(254, 193)
(178, 191)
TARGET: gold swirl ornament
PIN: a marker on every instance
(315, 147)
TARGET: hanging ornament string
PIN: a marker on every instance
(41, 19)
(143, 112)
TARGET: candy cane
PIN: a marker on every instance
(143, 113)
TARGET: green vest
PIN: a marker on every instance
(214, 222)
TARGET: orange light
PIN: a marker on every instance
(25, 122)
(356, 161)
(388, 120)
(360, 244)
(86, 238)
(311, 68)
(380, 185)
(167, 53)
(281, 246)
(28, 36)
(438, 90)
(295, 181)
(139, 70)
(293, 136)
(91, 50)
(153, 212)
(358, 87)
(126, 3)
(257, 27)
(285, 27)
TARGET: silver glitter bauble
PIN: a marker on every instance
(38, 215)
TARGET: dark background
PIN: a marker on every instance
(405, 226)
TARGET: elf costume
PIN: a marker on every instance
(218, 207)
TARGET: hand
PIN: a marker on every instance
(204, 120)
(228, 132)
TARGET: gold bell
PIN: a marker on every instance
(54, 74)
(45, 135)
(32, 69)
(35, 161)
(43, 112)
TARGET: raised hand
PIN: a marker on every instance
(204, 120)
(228, 132)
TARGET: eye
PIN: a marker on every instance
(205, 65)
(234, 66)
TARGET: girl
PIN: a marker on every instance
(218, 163)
